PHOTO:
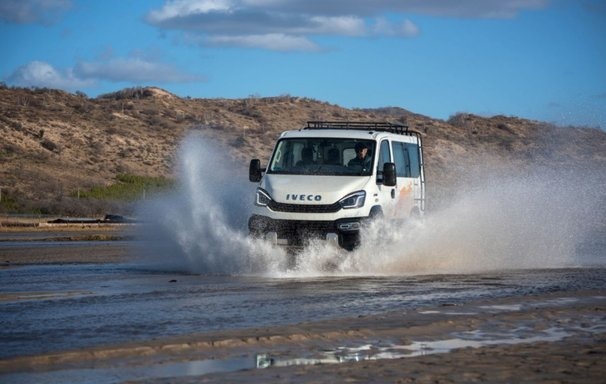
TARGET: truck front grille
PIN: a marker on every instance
(302, 208)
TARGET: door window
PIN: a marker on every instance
(384, 157)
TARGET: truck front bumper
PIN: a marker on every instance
(296, 232)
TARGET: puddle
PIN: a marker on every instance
(364, 352)
(468, 339)
(450, 313)
(510, 307)
(19, 296)
(120, 374)
(473, 339)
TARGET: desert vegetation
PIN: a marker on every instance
(128, 188)
(65, 153)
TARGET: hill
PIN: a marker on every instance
(56, 145)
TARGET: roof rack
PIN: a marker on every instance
(361, 125)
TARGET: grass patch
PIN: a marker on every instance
(8, 203)
(128, 188)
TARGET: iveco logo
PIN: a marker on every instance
(294, 196)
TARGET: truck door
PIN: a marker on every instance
(406, 172)
(387, 196)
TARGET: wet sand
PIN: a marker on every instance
(63, 243)
(576, 321)
(558, 337)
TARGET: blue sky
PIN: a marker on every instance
(536, 59)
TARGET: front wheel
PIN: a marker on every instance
(256, 226)
(349, 241)
(375, 213)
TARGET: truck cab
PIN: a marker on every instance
(327, 179)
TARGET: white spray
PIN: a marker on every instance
(531, 221)
(505, 222)
(201, 226)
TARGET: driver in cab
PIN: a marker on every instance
(362, 159)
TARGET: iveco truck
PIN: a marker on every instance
(328, 179)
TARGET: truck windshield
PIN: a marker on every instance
(323, 156)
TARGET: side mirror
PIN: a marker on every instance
(389, 174)
(254, 171)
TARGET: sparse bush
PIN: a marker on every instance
(49, 145)
(24, 101)
(156, 121)
(111, 130)
(506, 128)
(129, 93)
(97, 148)
(506, 143)
(8, 202)
(125, 152)
(82, 108)
(238, 141)
(8, 149)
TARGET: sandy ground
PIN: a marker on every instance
(550, 338)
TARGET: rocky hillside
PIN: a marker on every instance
(54, 143)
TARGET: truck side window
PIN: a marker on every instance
(400, 155)
(413, 155)
(406, 157)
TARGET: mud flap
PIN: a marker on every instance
(272, 237)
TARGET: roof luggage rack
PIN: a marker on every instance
(381, 126)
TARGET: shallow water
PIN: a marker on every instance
(61, 307)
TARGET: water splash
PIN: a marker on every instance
(201, 226)
(508, 222)
(501, 222)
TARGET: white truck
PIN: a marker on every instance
(327, 179)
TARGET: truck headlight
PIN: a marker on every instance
(262, 198)
(354, 200)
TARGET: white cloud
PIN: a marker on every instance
(366, 8)
(291, 24)
(183, 8)
(406, 28)
(33, 11)
(131, 70)
(87, 74)
(336, 25)
(41, 74)
(272, 41)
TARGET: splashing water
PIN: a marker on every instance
(507, 223)
(504, 222)
(200, 228)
